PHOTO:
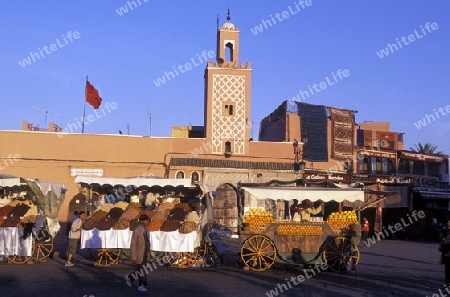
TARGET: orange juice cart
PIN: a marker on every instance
(269, 238)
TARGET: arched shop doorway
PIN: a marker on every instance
(225, 207)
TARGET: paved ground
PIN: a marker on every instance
(388, 268)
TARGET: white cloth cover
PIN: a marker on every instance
(96, 239)
(159, 240)
(47, 187)
(10, 243)
(174, 241)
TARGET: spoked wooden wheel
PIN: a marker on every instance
(201, 250)
(172, 258)
(107, 257)
(341, 254)
(258, 252)
(42, 248)
(19, 259)
(182, 259)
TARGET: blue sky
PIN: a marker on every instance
(124, 54)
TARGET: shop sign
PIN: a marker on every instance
(314, 176)
(330, 177)
(377, 154)
(337, 178)
(86, 172)
(421, 157)
(392, 180)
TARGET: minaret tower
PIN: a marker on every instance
(227, 96)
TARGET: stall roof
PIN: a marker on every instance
(313, 194)
(434, 194)
(136, 181)
(9, 181)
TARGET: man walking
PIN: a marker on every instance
(140, 247)
(365, 230)
(74, 237)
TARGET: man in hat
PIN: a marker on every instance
(140, 247)
(307, 209)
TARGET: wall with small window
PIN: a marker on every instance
(376, 165)
(195, 176)
(179, 174)
(228, 109)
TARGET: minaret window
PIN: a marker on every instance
(229, 52)
(227, 147)
(228, 109)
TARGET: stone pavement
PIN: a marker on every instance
(387, 268)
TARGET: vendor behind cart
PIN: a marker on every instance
(294, 210)
(305, 210)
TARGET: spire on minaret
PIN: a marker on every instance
(217, 22)
(228, 15)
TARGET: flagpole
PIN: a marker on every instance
(84, 109)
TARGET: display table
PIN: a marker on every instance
(12, 245)
(96, 239)
(159, 240)
(174, 241)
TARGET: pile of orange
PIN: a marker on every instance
(299, 229)
(258, 219)
(343, 219)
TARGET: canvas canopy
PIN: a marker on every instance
(136, 181)
(9, 181)
(313, 194)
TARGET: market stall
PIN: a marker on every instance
(174, 206)
(28, 218)
(270, 239)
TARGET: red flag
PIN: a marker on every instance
(92, 96)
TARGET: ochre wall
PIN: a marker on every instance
(48, 157)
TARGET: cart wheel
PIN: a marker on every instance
(201, 250)
(182, 260)
(42, 249)
(341, 254)
(172, 258)
(258, 252)
(107, 257)
(19, 259)
(212, 256)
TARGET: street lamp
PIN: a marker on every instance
(298, 153)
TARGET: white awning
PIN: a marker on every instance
(10, 182)
(135, 181)
(313, 194)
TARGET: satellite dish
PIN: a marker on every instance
(120, 131)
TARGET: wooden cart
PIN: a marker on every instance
(282, 241)
(32, 240)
